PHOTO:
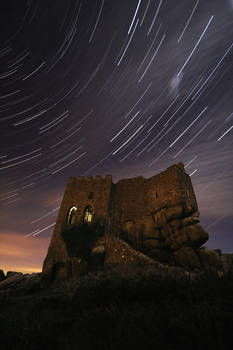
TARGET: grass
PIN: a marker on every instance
(130, 309)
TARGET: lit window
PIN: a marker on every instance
(87, 217)
(71, 215)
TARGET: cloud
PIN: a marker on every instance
(22, 254)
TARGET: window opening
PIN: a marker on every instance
(87, 217)
(72, 215)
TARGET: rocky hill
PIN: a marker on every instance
(128, 308)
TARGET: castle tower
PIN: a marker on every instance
(155, 216)
(85, 199)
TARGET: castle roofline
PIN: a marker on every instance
(108, 178)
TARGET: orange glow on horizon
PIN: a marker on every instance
(23, 269)
(21, 254)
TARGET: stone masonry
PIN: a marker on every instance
(158, 217)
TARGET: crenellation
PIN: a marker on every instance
(180, 166)
(71, 182)
(108, 178)
(157, 216)
(89, 178)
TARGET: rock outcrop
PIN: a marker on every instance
(2, 275)
(227, 262)
(176, 235)
(20, 284)
(13, 273)
(119, 252)
(157, 217)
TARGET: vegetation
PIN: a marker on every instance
(132, 309)
(81, 237)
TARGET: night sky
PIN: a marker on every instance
(97, 87)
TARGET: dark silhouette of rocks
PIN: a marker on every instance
(17, 284)
(2, 275)
(13, 273)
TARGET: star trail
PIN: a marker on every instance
(127, 88)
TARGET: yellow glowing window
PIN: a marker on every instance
(87, 214)
(71, 215)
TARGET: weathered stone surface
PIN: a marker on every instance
(160, 218)
(187, 208)
(210, 258)
(119, 252)
(179, 238)
(79, 193)
(174, 212)
(98, 250)
(227, 262)
(76, 267)
(167, 231)
(130, 231)
(218, 251)
(100, 242)
(97, 256)
(154, 234)
(129, 225)
(187, 258)
(12, 273)
(151, 243)
(60, 271)
(197, 235)
(148, 227)
(11, 280)
(191, 220)
(20, 284)
(159, 213)
(175, 224)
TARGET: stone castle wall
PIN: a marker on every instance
(89, 191)
(146, 211)
(157, 216)
(76, 194)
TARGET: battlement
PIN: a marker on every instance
(158, 214)
(89, 178)
(98, 178)
(177, 165)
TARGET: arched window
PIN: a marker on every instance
(87, 216)
(72, 215)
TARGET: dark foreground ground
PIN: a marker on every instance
(129, 310)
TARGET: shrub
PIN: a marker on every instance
(138, 309)
(80, 238)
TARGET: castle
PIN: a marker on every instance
(157, 217)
